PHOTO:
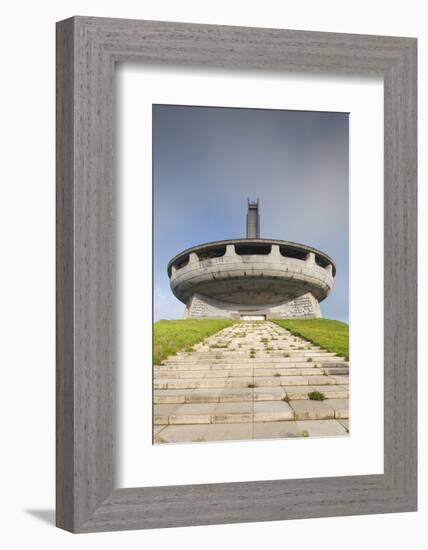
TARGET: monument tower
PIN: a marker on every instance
(253, 220)
(251, 278)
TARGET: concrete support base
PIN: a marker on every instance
(303, 307)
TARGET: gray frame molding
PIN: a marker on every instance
(87, 50)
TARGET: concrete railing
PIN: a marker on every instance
(232, 256)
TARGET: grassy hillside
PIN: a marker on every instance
(173, 336)
(330, 335)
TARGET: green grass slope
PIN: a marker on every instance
(330, 335)
(173, 336)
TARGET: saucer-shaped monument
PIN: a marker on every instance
(251, 278)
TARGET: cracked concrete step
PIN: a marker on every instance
(233, 360)
(261, 351)
(224, 343)
(316, 410)
(247, 412)
(201, 395)
(243, 372)
(333, 360)
(330, 391)
(223, 413)
(249, 382)
(161, 372)
(274, 365)
(266, 368)
(223, 395)
(275, 351)
(262, 430)
(204, 356)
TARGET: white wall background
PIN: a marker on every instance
(27, 271)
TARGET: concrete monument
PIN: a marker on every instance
(252, 278)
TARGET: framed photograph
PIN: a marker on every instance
(236, 274)
(247, 361)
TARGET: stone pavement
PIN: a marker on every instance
(250, 381)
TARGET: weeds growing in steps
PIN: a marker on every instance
(316, 396)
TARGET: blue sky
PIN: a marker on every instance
(208, 161)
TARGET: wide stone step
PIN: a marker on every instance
(334, 360)
(192, 433)
(247, 346)
(318, 410)
(238, 348)
(220, 413)
(206, 356)
(332, 391)
(222, 395)
(247, 412)
(241, 372)
(336, 368)
(250, 382)
(244, 372)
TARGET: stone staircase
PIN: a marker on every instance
(252, 380)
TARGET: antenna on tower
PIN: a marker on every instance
(253, 220)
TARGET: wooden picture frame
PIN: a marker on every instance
(87, 50)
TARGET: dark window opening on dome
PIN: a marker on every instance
(181, 262)
(212, 253)
(322, 262)
(293, 253)
(250, 249)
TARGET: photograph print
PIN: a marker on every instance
(250, 274)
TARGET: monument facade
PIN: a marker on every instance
(251, 278)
